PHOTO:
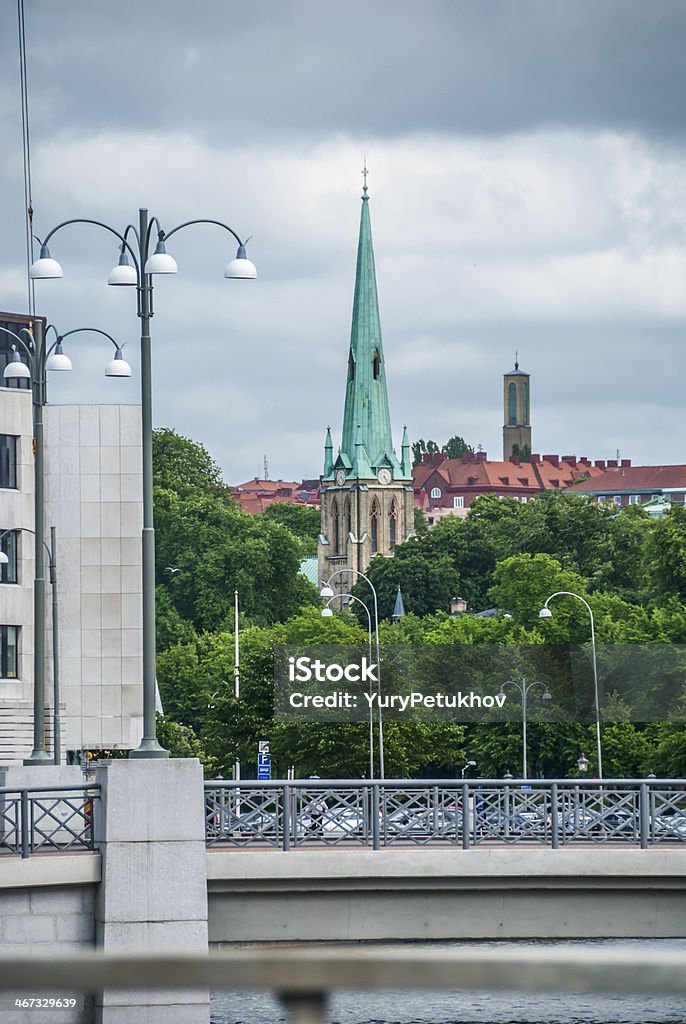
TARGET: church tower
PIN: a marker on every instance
(367, 500)
(517, 413)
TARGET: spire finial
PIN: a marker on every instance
(516, 359)
(365, 172)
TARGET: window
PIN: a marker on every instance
(617, 499)
(392, 524)
(8, 461)
(8, 651)
(348, 520)
(374, 528)
(435, 492)
(654, 497)
(634, 499)
(512, 404)
(458, 501)
(8, 545)
(600, 499)
(523, 500)
(6, 342)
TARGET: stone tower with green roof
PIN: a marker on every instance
(367, 500)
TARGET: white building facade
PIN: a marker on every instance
(93, 498)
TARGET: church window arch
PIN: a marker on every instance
(374, 526)
(392, 525)
(347, 520)
(335, 519)
(526, 402)
(512, 403)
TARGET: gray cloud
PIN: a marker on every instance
(528, 192)
(303, 68)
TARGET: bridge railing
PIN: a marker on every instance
(44, 818)
(384, 813)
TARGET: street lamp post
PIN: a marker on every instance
(134, 244)
(327, 592)
(525, 689)
(469, 764)
(545, 613)
(42, 357)
(326, 613)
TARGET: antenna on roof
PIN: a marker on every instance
(266, 468)
(516, 359)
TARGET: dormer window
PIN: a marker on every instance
(376, 366)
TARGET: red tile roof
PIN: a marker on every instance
(636, 478)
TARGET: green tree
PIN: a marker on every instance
(304, 521)
(427, 582)
(665, 554)
(522, 584)
(181, 741)
(455, 447)
(182, 465)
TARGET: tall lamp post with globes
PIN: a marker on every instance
(525, 689)
(135, 268)
(41, 357)
(327, 613)
(545, 613)
(327, 592)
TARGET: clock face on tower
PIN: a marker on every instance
(384, 476)
(340, 477)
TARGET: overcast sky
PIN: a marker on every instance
(528, 191)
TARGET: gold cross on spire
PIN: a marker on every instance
(365, 172)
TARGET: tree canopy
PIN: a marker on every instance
(504, 556)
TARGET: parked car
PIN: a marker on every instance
(669, 825)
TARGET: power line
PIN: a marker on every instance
(26, 153)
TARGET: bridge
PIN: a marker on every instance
(150, 856)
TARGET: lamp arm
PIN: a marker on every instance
(80, 330)
(160, 234)
(25, 529)
(203, 220)
(512, 682)
(570, 593)
(100, 224)
(536, 682)
(25, 347)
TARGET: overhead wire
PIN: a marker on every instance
(26, 154)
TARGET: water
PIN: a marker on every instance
(474, 1007)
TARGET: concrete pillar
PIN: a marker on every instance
(150, 828)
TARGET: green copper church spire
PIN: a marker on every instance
(366, 419)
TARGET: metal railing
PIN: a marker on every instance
(376, 814)
(303, 978)
(45, 818)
